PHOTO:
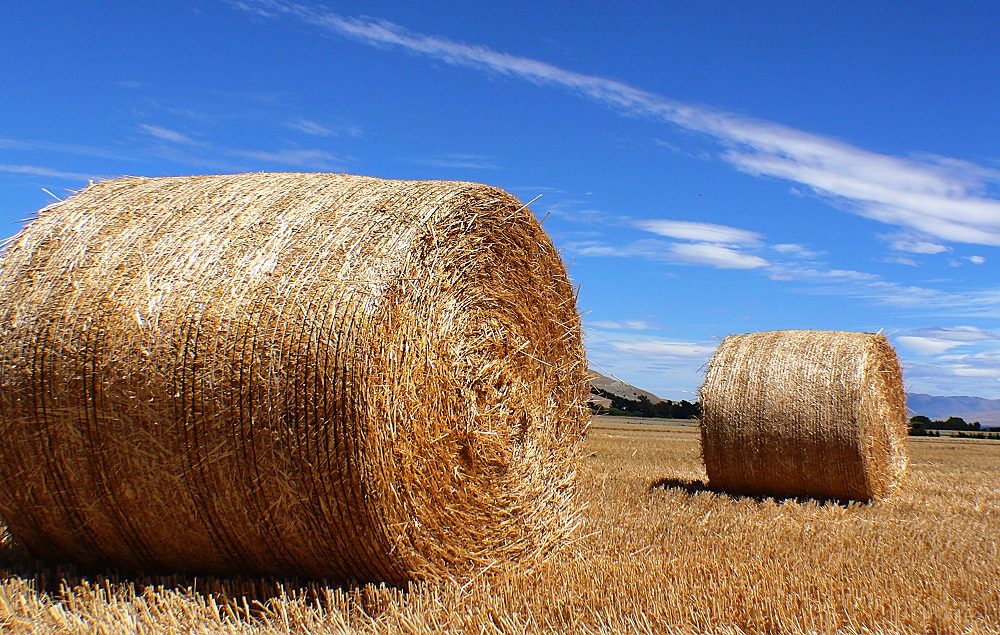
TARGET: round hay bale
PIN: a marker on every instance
(318, 375)
(804, 413)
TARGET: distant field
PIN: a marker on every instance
(654, 553)
(606, 421)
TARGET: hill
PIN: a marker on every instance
(620, 388)
(985, 411)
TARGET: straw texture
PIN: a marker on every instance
(804, 413)
(319, 375)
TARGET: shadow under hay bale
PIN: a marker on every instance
(818, 414)
(689, 486)
(692, 487)
(249, 601)
(313, 375)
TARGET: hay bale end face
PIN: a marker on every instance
(804, 413)
(318, 375)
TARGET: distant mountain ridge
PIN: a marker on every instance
(985, 411)
(620, 388)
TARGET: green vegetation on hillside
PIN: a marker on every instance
(643, 407)
(921, 426)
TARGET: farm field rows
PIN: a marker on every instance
(655, 552)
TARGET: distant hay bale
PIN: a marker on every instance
(804, 413)
(319, 375)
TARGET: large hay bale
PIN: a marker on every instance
(804, 413)
(297, 374)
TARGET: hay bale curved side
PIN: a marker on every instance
(319, 375)
(804, 413)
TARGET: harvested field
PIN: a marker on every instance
(656, 553)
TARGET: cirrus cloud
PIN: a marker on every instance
(942, 197)
(718, 256)
(699, 232)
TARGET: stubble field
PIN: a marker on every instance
(655, 552)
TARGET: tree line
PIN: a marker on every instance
(643, 407)
(921, 426)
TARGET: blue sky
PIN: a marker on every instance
(707, 168)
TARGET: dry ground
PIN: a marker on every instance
(656, 553)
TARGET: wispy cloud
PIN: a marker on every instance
(972, 374)
(315, 159)
(718, 246)
(463, 161)
(943, 197)
(316, 129)
(166, 134)
(911, 244)
(957, 334)
(802, 267)
(302, 158)
(627, 325)
(667, 348)
(700, 232)
(944, 359)
(718, 256)
(796, 251)
(668, 367)
(310, 127)
(873, 287)
(37, 170)
(926, 345)
(63, 148)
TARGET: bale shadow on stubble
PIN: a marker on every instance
(689, 486)
(696, 486)
(250, 597)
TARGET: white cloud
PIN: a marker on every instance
(964, 376)
(167, 135)
(937, 340)
(957, 333)
(316, 129)
(667, 348)
(670, 368)
(925, 345)
(37, 170)
(700, 232)
(317, 159)
(919, 247)
(942, 197)
(461, 161)
(795, 250)
(310, 127)
(870, 286)
(899, 260)
(714, 245)
(914, 245)
(977, 260)
(64, 148)
(717, 256)
(968, 371)
(627, 325)
(598, 249)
